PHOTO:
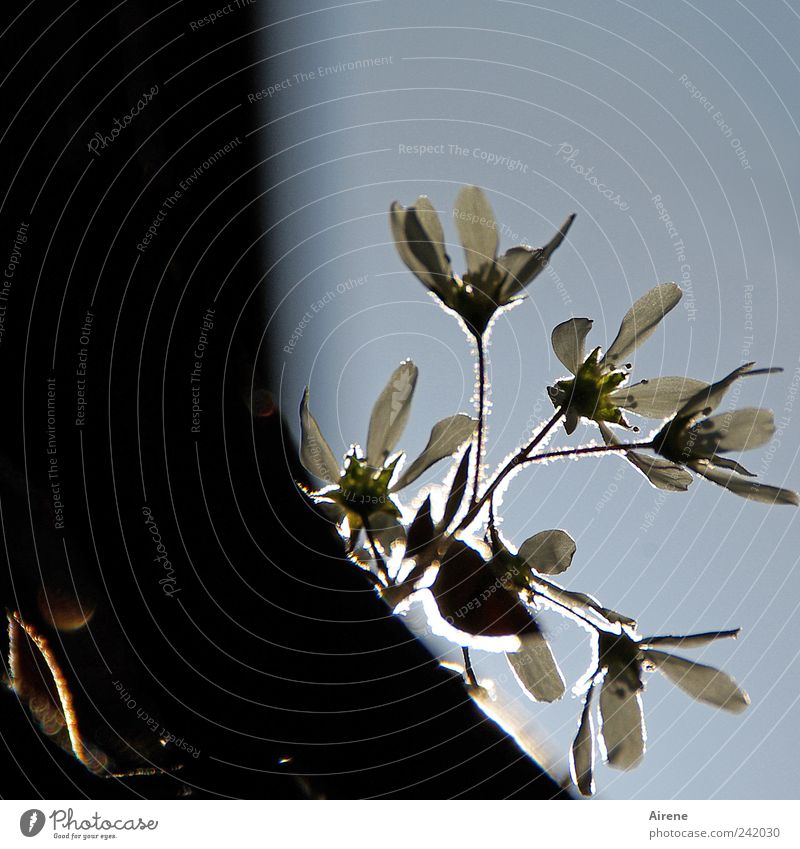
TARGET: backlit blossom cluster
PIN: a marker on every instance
(482, 590)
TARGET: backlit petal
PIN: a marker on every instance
(390, 413)
(447, 436)
(641, 321)
(387, 530)
(581, 755)
(457, 490)
(548, 552)
(477, 230)
(536, 669)
(701, 682)
(419, 239)
(691, 641)
(709, 399)
(734, 431)
(537, 261)
(622, 728)
(745, 487)
(658, 398)
(315, 453)
(569, 342)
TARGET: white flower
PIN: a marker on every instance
(697, 442)
(622, 657)
(363, 491)
(491, 281)
(595, 391)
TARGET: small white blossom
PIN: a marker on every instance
(622, 657)
(363, 491)
(596, 391)
(490, 281)
(698, 442)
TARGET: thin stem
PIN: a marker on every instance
(481, 416)
(520, 457)
(570, 610)
(468, 670)
(543, 432)
(379, 561)
(592, 449)
(492, 529)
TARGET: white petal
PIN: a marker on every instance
(641, 321)
(622, 728)
(518, 266)
(419, 239)
(658, 398)
(447, 436)
(691, 641)
(537, 260)
(536, 669)
(744, 487)
(477, 230)
(709, 399)
(315, 453)
(548, 552)
(569, 342)
(734, 431)
(661, 473)
(390, 413)
(701, 682)
(581, 755)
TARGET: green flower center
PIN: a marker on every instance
(363, 489)
(588, 392)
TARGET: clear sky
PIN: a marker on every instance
(686, 114)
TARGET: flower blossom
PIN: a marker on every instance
(490, 282)
(622, 657)
(596, 390)
(363, 493)
(693, 440)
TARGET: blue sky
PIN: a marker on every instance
(684, 115)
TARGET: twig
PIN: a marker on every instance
(379, 561)
(591, 449)
(520, 457)
(468, 670)
(481, 417)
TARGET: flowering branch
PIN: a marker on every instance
(517, 460)
(487, 589)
